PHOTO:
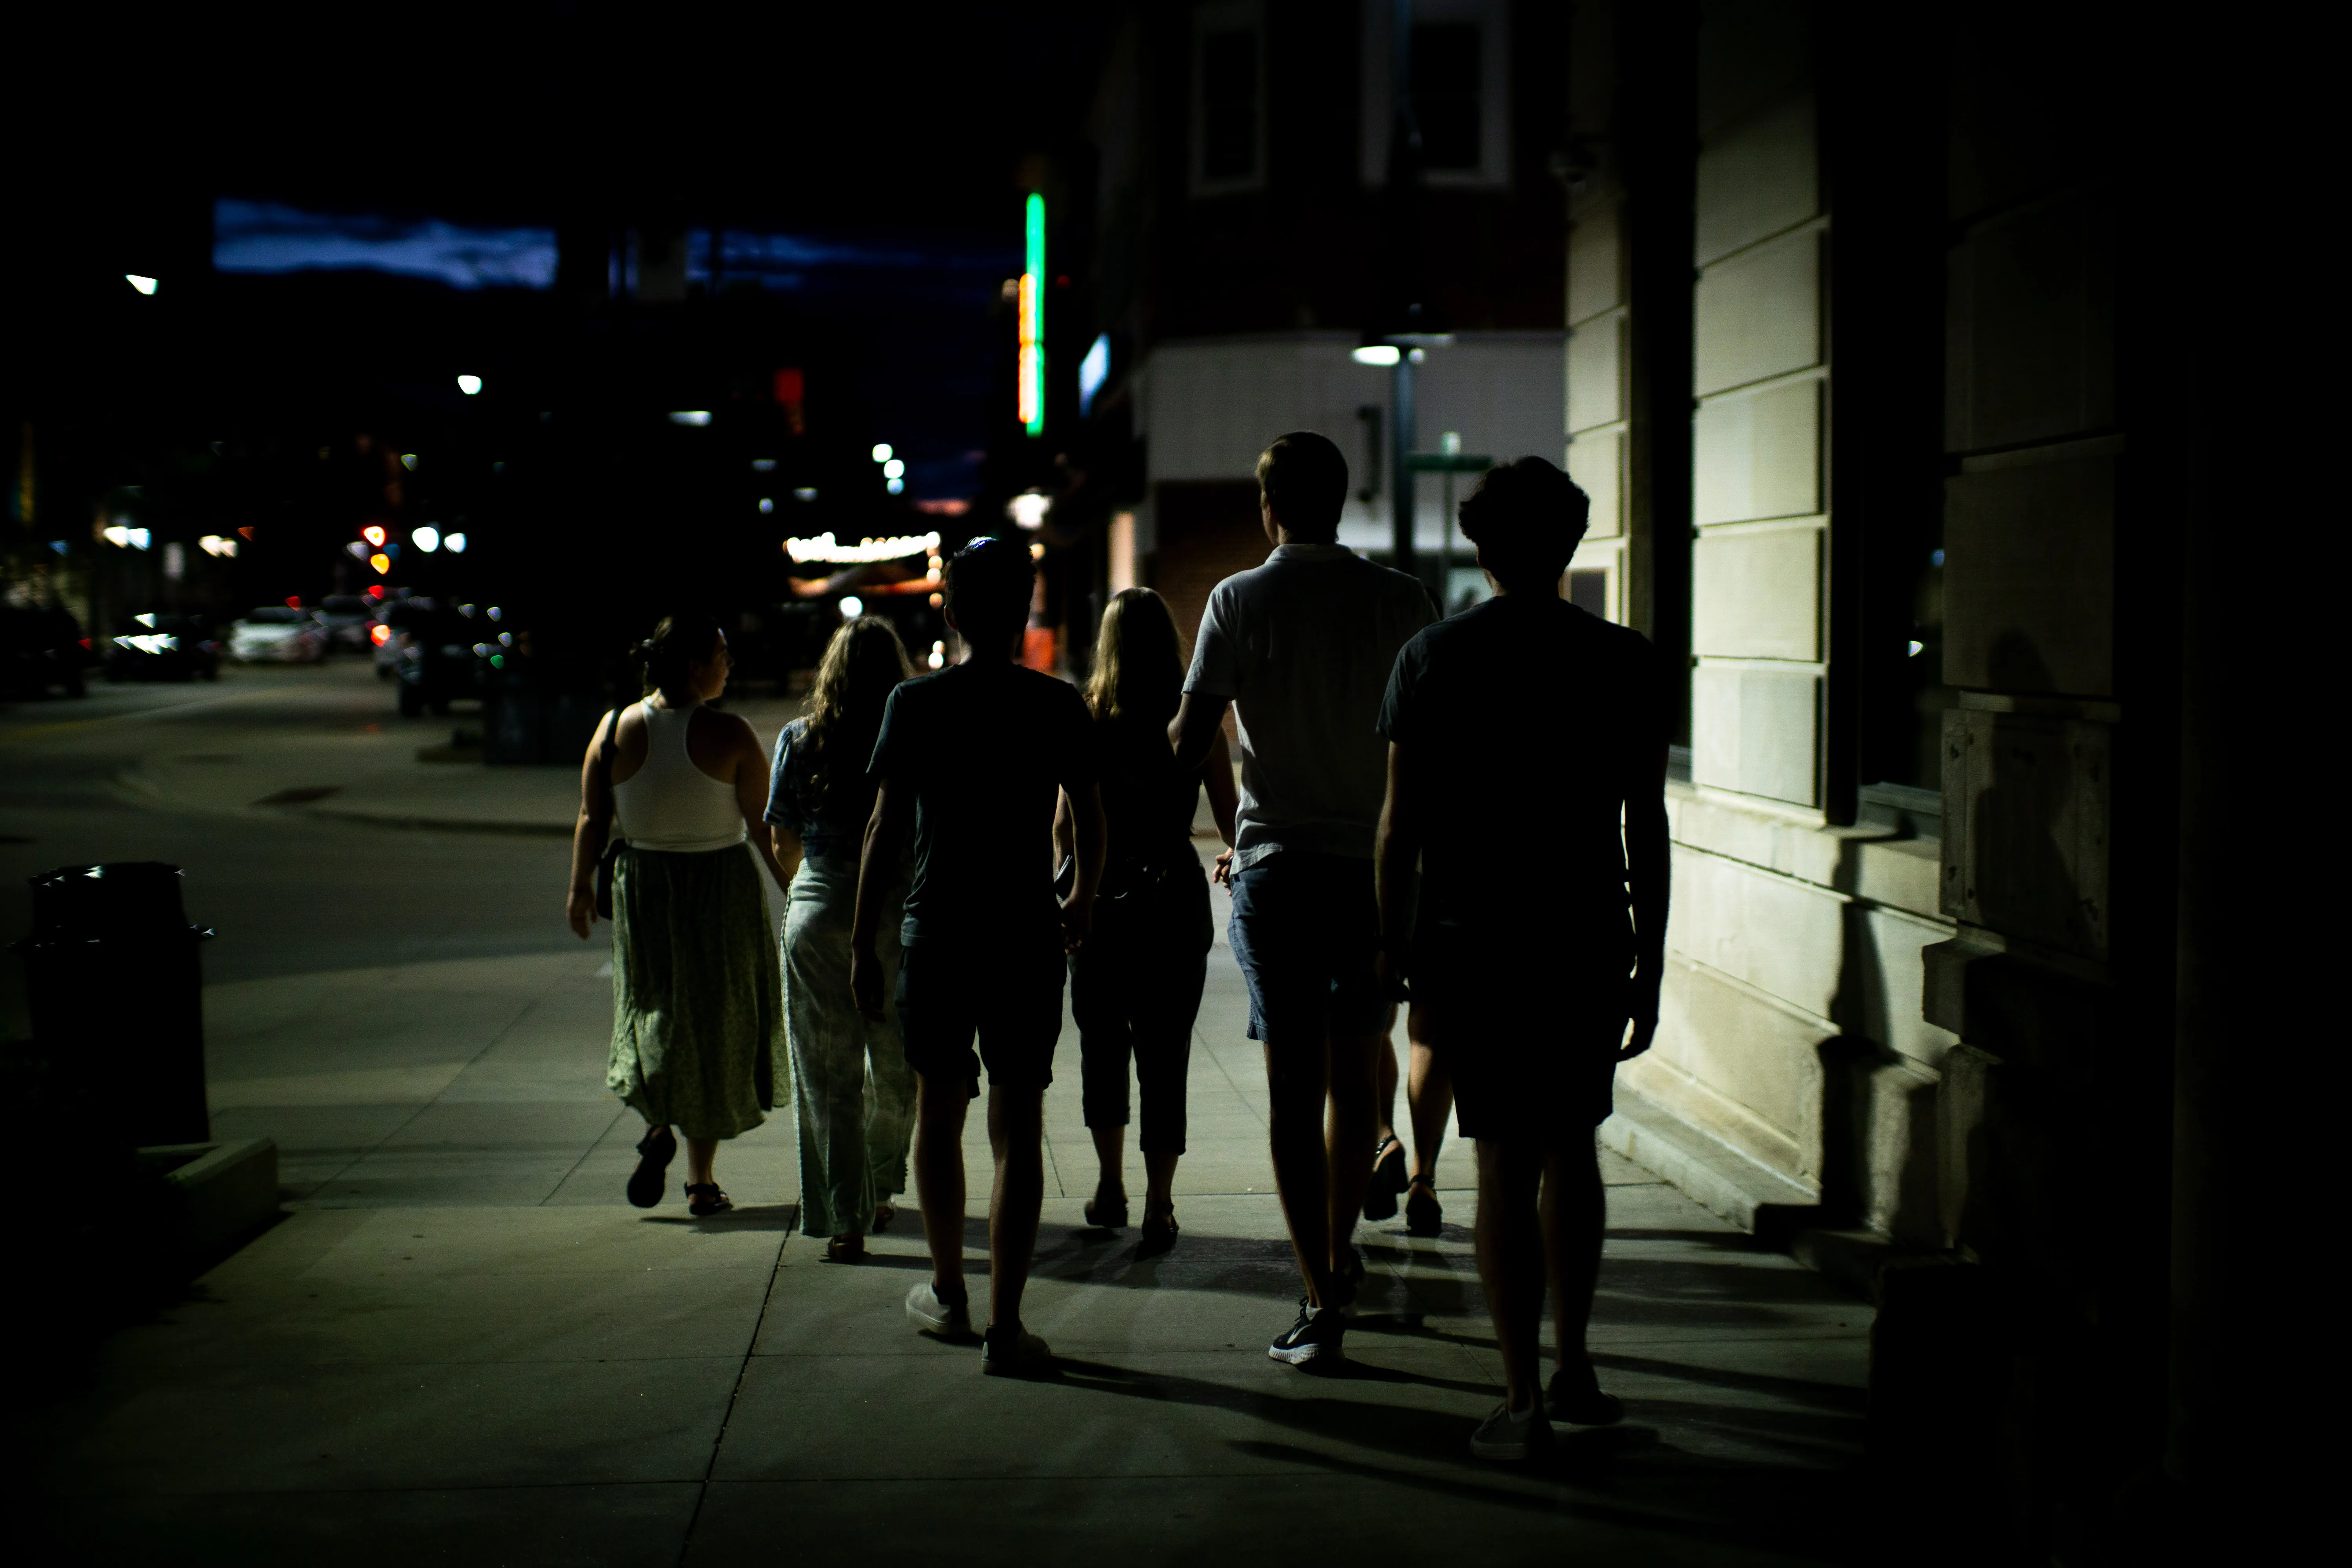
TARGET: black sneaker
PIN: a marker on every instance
(1574, 1395)
(1313, 1337)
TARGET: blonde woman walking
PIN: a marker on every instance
(696, 1005)
(855, 1092)
(1135, 987)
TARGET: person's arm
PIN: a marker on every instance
(885, 832)
(591, 829)
(1648, 866)
(1396, 851)
(1065, 831)
(1225, 801)
(1199, 723)
(752, 799)
(1093, 843)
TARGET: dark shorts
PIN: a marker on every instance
(1305, 929)
(951, 994)
(1530, 1026)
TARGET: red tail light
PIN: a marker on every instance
(382, 635)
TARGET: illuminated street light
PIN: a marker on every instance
(1384, 355)
(470, 385)
(455, 544)
(852, 606)
(144, 285)
(882, 451)
(427, 539)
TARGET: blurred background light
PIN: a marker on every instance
(1093, 371)
(455, 544)
(767, 505)
(144, 285)
(381, 562)
(852, 606)
(881, 451)
(408, 461)
(373, 533)
(763, 465)
(696, 417)
(273, 237)
(1377, 353)
(1029, 510)
(427, 538)
(806, 492)
(895, 469)
(895, 485)
(470, 385)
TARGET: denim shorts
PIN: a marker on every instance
(953, 994)
(1305, 931)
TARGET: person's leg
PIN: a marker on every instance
(1350, 1138)
(1105, 1042)
(1429, 1093)
(1384, 1082)
(890, 1080)
(1165, 1012)
(1297, 1083)
(699, 1155)
(939, 1102)
(1575, 1212)
(829, 1061)
(1511, 1261)
(1017, 1127)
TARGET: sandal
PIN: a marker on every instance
(1158, 1233)
(1422, 1214)
(704, 1198)
(883, 1214)
(846, 1249)
(1108, 1215)
(655, 1149)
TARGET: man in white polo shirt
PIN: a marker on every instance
(1302, 648)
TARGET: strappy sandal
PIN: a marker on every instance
(704, 1198)
(1158, 1233)
(655, 1149)
(846, 1249)
(1105, 1216)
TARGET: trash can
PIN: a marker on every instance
(116, 991)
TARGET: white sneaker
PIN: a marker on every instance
(1014, 1355)
(1500, 1437)
(932, 1316)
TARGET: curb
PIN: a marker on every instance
(440, 824)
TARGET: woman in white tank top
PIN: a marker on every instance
(696, 994)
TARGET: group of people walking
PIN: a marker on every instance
(1455, 815)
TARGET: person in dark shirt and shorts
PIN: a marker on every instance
(974, 759)
(1527, 768)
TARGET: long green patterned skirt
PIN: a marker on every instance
(698, 1001)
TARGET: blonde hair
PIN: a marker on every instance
(863, 663)
(1138, 664)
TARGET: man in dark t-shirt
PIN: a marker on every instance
(974, 759)
(1527, 755)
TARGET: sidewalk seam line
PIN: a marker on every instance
(734, 1397)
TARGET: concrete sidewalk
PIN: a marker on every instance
(461, 1345)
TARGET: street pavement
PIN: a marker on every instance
(461, 1345)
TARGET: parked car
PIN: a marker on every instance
(278, 634)
(347, 618)
(438, 662)
(166, 647)
(41, 651)
(397, 610)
